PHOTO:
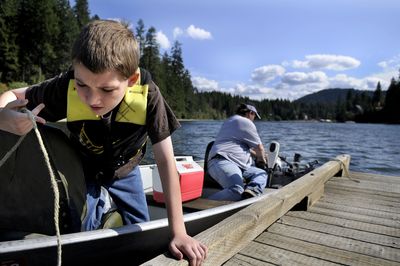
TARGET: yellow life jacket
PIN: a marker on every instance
(132, 109)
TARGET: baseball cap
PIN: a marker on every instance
(253, 109)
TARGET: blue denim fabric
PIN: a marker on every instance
(234, 180)
(128, 195)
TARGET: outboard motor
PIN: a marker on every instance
(272, 154)
(273, 158)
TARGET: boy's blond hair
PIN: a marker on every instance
(107, 45)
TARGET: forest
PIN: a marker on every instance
(36, 38)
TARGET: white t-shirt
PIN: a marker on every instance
(237, 135)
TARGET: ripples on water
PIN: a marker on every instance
(373, 148)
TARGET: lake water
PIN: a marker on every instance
(374, 148)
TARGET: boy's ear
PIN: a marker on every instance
(132, 79)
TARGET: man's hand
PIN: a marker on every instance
(16, 122)
(261, 164)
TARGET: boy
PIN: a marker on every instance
(112, 107)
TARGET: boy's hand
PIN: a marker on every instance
(185, 245)
(16, 122)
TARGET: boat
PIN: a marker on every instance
(132, 244)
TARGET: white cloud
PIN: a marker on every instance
(198, 33)
(326, 61)
(367, 83)
(267, 73)
(390, 69)
(177, 32)
(192, 32)
(203, 84)
(300, 64)
(162, 40)
(344, 81)
(392, 63)
(297, 78)
(283, 91)
(240, 88)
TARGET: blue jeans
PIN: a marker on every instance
(127, 193)
(235, 180)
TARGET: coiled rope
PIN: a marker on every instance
(53, 181)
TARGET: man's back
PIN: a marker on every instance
(236, 136)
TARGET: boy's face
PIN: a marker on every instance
(101, 92)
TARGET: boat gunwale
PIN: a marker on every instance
(78, 237)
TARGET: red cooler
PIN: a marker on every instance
(191, 176)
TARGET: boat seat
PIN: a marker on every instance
(8, 235)
(209, 182)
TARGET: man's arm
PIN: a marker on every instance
(259, 153)
(181, 243)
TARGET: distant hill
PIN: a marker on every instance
(330, 96)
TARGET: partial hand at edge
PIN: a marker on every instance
(16, 122)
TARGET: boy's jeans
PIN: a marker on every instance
(127, 193)
(232, 179)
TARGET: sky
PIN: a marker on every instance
(269, 49)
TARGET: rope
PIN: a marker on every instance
(53, 181)
(8, 154)
(345, 170)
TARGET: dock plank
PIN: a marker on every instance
(280, 256)
(356, 217)
(353, 188)
(368, 186)
(365, 210)
(241, 260)
(316, 250)
(346, 223)
(337, 230)
(355, 196)
(334, 241)
(358, 202)
(375, 177)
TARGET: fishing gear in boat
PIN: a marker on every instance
(280, 170)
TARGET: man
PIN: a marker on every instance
(230, 159)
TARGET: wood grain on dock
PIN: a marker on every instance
(356, 222)
(326, 218)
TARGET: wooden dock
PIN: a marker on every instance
(354, 223)
(350, 219)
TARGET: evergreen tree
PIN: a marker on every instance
(177, 78)
(165, 72)
(69, 30)
(36, 40)
(8, 40)
(82, 13)
(377, 97)
(340, 111)
(392, 107)
(349, 99)
(151, 55)
(140, 30)
(177, 61)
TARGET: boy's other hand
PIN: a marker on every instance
(14, 121)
